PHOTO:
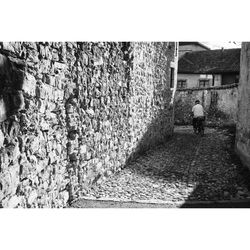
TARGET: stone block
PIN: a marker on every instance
(33, 57)
(41, 104)
(55, 56)
(29, 85)
(44, 125)
(14, 47)
(49, 79)
(1, 139)
(65, 196)
(3, 111)
(60, 66)
(32, 197)
(83, 149)
(42, 51)
(13, 201)
(34, 145)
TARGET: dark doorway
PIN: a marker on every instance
(230, 78)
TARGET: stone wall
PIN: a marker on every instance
(72, 114)
(243, 120)
(220, 104)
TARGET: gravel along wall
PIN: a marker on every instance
(73, 113)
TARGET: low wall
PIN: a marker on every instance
(220, 104)
(72, 114)
(242, 143)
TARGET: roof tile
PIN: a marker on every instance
(210, 61)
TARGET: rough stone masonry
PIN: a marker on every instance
(73, 113)
(242, 143)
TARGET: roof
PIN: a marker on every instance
(210, 61)
(194, 43)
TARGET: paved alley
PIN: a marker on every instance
(187, 168)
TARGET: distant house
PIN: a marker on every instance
(208, 68)
(185, 47)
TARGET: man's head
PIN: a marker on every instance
(197, 102)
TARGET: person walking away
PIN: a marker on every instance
(198, 118)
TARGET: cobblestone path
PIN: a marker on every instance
(186, 168)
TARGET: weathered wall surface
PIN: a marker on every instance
(220, 104)
(192, 79)
(243, 120)
(217, 80)
(73, 113)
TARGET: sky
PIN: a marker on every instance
(222, 44)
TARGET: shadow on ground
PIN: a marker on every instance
(188, 171)
(208, 164)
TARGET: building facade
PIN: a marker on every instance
(185, 47)
(208, 68)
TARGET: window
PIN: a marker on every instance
(203, 83)
(182, 84)
(237, 78)
(172, 78)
